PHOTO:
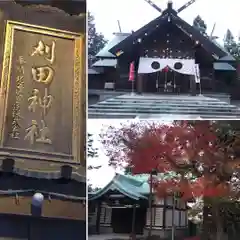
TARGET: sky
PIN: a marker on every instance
(101, 177)
(133, 14)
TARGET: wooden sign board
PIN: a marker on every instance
(41, 93)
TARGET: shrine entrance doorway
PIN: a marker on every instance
(172, 76)
(166, 83)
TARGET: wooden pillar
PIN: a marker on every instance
(98, 217)
(150, 203)
(213, 83)
(193, 85)
(164, 212)
(173, 215)
(133, 234)
(180, 217)
(140, 83)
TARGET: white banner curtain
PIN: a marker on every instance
(188, 65)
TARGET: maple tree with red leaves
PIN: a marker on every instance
(204, 160)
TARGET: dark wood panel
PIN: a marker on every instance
(23, 227)
(53, 209)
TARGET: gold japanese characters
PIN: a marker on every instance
(39, 132)
(48, 52)
(36, 102)
(16, 111)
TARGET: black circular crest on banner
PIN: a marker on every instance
(155, 65)
(178, 65)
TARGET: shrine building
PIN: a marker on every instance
(169, 56)
(122, 207)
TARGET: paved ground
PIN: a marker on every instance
(123, 237)
(109, 236)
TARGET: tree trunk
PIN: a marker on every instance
(205, 225)
(212, 228)
(218, 222)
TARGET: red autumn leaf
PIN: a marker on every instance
(183, 148)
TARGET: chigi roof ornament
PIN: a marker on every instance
(170, 5)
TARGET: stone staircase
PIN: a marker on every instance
(163, 107)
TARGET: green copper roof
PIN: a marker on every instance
(222, 66)
(135, 187)
(227, 58)
(118, 37)
(105, 63)
(130, 186)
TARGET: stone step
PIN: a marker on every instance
(114, 100)
(157, 116)
(164, 100)
(116, 103)
(165, 111)
(162, 97)
(161, 106)
(158, 106)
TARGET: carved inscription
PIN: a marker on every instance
(44, 134)
(41, 102)
(16, 111)
(36, 101)
(45, 50)
(34, 133)
(43, 75)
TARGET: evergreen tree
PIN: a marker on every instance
(231, 45)
(92, 152)
(200, 24)
(229, 41)
(229, 38)
(96, 41)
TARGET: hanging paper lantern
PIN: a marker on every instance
(17, 202)
(131, 72)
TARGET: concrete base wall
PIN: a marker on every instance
(16, 227)
(106, 229)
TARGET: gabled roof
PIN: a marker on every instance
(92, 71)
(138, 34)
(223, 66)
(105, 63)
(227, 58)
(206, 42)
(127, 185)
(118, 37)
(222, 48)
(135, 187)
